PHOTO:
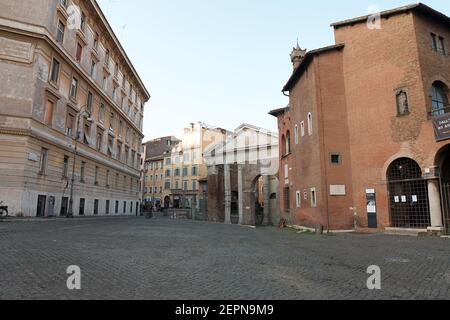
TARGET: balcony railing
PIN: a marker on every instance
(439, 112)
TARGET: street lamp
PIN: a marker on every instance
(83, 111)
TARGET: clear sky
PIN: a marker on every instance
(223, 62)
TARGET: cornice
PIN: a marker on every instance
(42, 34)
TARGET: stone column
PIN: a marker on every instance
(434, 198)
(227, 185)
(266, 192)
(241, 195)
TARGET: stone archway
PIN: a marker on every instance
(442, 174)
(408, 195)
(257, 200)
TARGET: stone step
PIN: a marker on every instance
(406, 232)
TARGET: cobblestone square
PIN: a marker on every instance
(136, 258)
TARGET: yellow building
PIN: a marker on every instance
(185, 167)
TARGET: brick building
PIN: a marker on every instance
(67, 83)
(364, 139)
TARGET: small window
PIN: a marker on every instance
(107, 179)
(44, 161)
(73, 88)
(79, 52)
(101, 113)
(65, 167)
(287, 201)
(93, 69)
(296, 134)
(69, 124)
(55, 71)
(96, 41)
(99, 140)
(288, 143)
(298, 196)
(335, 159)
(310, 124)
(302, 128)
(434, 42)
(96, 176)
(439, 99)
(441, 46)
(82, 21)
(89, 102)
(313, 198)
(82, 171)
(402, 103)
(60, 32)
(48, 115)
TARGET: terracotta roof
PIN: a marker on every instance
(417, 6)
(305, 62)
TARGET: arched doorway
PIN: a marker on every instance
(408, 195)
(258, 200)
(443, 164)
(166, 202)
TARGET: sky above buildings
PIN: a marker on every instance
(225, 62)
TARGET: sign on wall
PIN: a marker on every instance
(441, 126)
(371, 208)
(337, 190)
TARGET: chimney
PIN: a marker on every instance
(297, 56)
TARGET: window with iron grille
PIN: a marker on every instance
(287, 201)
(408, 195)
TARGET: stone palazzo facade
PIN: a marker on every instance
(66, 83)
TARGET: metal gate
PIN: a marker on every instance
(445, 198)
(408, 195)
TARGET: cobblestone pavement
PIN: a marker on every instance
(136, 258)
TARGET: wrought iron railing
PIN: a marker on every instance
(440, 111)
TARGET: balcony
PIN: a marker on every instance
(439, 112)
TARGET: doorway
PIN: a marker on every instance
(82, 205)
(258, 197)
(443, 163)
(64, 206)
(408, 195)
(42, 200)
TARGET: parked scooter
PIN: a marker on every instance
(3, 210)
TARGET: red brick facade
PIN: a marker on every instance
(350, 89)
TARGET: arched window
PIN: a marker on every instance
(310, 124)
(296, 134)
(402, 103)
(288, 142)
(283, 145)
(439, 98)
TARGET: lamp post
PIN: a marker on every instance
(75, 152)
